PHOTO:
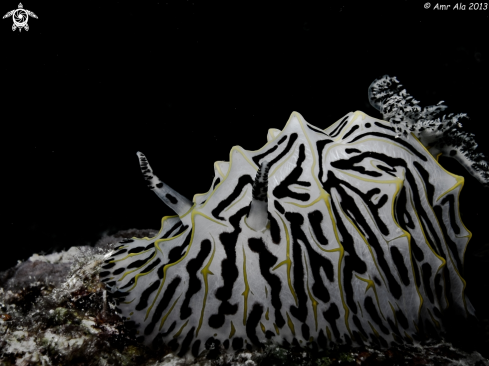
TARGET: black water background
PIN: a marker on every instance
(92, 83)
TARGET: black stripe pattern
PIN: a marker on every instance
(364, 245)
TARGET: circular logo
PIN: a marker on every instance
(20, 17)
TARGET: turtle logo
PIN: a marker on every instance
(20, 17)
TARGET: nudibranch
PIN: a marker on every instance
(441, 136)
(347, 235)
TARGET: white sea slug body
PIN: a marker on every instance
(346, 235)
(440, 134)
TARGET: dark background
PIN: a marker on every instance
(183, 81)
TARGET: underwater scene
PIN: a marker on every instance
(323, 176)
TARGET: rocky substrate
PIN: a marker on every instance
(54, 311)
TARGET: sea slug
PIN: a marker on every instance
(347, 235)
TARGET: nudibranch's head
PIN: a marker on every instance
(346, 235)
